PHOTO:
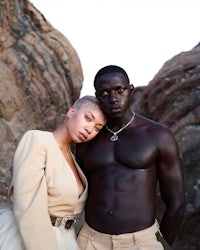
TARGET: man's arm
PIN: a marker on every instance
(171, 182)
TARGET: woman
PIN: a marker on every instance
(48, 188)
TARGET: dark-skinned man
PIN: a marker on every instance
(125, 164)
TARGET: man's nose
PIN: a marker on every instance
(113, 96)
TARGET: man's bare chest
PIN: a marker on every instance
(125, 151)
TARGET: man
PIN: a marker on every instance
(124, 164)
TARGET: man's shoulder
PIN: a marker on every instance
(151, 123)
(154, 128)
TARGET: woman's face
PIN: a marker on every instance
(84, 124)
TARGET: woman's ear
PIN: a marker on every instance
(70, 112)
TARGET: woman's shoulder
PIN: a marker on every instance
(34, 136)
(37, 133)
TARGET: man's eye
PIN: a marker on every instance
(104, 93)
(121, 90)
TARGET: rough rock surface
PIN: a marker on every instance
(40, 77)
(173, 99)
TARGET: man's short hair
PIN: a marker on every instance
(110, 69)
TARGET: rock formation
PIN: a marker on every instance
(40, 77)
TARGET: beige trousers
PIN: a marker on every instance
(89, 239)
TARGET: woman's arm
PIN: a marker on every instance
(30, 195)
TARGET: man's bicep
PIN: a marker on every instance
(170, 170)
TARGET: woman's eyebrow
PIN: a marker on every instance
(91, 114)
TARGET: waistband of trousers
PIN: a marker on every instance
(139, 235)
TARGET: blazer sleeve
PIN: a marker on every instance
(30, 195)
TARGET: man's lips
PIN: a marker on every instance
(115, 109)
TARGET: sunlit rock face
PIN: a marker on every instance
(40, 77)
(173, 99)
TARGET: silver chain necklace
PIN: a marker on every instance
(115, 137)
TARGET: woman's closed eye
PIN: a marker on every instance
(98, 128)
(88, 118)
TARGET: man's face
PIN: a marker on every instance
(113, 92)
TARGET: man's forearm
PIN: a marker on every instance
(170, 223)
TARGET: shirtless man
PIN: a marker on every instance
(124, 164)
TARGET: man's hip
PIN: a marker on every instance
(147, 239)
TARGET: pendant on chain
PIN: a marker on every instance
(114, 137)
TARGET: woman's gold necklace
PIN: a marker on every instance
(115, 137)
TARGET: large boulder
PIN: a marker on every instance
(40, 77)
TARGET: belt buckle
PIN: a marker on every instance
(64, 220)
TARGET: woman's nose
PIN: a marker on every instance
(88, 129)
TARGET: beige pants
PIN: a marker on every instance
(89, 239)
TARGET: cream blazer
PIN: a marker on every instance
(43, 184)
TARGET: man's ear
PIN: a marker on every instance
(131, 89)
(70, 112)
